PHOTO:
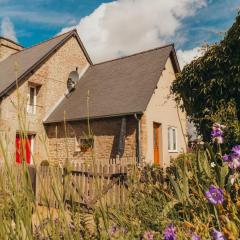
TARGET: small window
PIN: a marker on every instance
(84, 144)
(172, 139)
(32, 100)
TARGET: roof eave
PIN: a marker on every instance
(176, 62)
(92, 118)
(82, 46)
(40, 61)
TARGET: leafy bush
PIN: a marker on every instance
(211, 80)
(199, 199)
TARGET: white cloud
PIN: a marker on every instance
(7, 29)
(185, 57)
(49, 17)
(126, 26)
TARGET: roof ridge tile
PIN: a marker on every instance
(135, 54)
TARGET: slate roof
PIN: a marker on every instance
(30, 58)
(118, 87)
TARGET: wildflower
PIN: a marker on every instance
(236, 150)
(195, 237)
(148, 235)
(233, 178)
(233, 160)
(215, 195)
(169, 233)
(213, 164)
(113, 230)
(217, 133)
(217, 235)
(225, 157)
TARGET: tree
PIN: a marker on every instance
(212, 81)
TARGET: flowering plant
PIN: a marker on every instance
(217, 133)
(215, 195)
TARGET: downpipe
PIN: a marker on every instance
(138, 140)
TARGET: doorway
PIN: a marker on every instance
(157, 143)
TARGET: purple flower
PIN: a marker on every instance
(148, 235)
(233, 160)
(113, 230)
(217, 133)
(195, 237)
(215, 195)
(226, 158)
(169, 233)
(234, 163)
(217, 235)
(236, 150)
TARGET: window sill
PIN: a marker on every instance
(173, 151)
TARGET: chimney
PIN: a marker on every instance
(8, 47)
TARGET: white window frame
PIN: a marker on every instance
(32, 148)
(31, 109)
(171, 148)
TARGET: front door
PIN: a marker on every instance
(24, 145)
(156, 142)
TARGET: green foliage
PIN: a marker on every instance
(211, 80)
(179, 198)
(157, 198)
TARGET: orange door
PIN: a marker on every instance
(156, 142)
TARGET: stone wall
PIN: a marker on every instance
(62, 140)
(7, 48)
(50, 79)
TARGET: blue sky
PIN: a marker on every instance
(38, 20)
(143, 23)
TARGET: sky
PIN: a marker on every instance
(111, 29)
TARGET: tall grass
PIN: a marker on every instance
(157, 198)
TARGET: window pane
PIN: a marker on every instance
(174, 139)
(155, 137)
(31, 100)
(169, 139)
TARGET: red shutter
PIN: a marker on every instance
(23, 149)
(18, 148)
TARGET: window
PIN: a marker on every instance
(172, 139)
(84, 144)
(32, 100)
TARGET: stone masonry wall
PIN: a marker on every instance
(50, 80)
(62, 140)
(8, 48)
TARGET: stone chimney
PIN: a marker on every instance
(8, 47)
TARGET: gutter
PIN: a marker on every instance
(48, 122)
(138, 140)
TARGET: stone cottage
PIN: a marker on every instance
(55, 104)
